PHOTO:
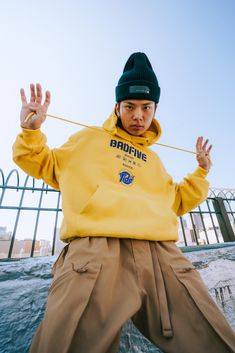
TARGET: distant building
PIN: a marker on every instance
(5, 241)
(58, 243)
(4, 234)
(197, 219)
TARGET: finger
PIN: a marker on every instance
(209, 149)
(39, 93)
(47, 100)
(32, 90)
(199, 144)
(23, 96)
(205, 144)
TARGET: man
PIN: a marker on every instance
(120, 222)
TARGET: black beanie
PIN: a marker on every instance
(138, 80)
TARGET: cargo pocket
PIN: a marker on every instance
(191, 280)
(77, 274)
(189, 277)
(68, 297)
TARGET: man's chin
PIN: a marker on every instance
(136, 132)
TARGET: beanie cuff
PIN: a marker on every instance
(137, 90)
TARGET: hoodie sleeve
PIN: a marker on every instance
(191, 192)
(31, 154)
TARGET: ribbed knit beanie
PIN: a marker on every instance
(138, 80)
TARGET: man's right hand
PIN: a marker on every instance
(34, 106)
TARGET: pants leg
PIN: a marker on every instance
(197, 323)
(100, 283)
(94, 292)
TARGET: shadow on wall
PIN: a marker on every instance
(24, 286)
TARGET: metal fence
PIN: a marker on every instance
(30, 215)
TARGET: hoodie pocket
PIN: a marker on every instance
(123, 211)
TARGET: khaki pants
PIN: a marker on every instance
(99, 283)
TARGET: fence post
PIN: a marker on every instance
(223, 220)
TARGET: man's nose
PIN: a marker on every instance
(137, 114)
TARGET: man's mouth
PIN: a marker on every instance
(137, 126)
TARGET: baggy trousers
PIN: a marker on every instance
(99, 283)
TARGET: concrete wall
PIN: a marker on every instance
(24, 284)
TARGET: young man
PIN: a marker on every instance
(120, 222)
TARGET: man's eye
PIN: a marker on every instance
(129, 107)
(147, 107)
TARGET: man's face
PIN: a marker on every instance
(136, 115)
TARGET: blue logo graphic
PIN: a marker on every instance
(126, 178)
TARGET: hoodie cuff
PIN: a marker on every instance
(201, 172)
(33, 135)
(33, 138)
(30, 131)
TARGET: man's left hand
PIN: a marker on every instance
(203, 153)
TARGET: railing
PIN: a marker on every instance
(30, 217)
(33, 209)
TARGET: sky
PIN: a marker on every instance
(78, 49)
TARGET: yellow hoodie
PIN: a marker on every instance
(111, 183)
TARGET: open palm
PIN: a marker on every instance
(203, 153)
(34, 106)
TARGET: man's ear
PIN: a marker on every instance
(117, 110)
(155, 108)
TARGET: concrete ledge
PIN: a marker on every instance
(186, 249)
(24, 285)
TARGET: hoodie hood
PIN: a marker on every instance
(147, 139)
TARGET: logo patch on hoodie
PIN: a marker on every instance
(126, 177)
(128, 149)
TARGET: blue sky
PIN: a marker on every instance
(77, 50)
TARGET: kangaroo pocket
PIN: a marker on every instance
(125, 212)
